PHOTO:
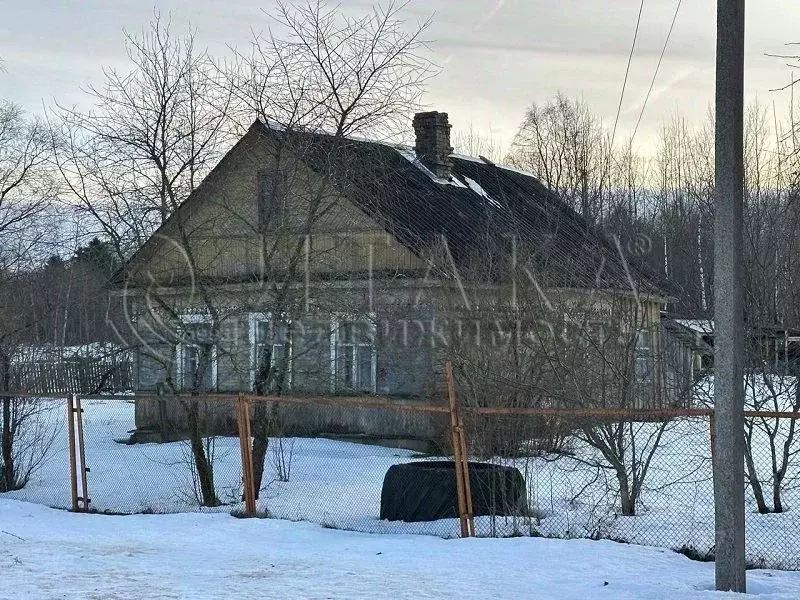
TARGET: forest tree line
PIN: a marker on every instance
(113, 172)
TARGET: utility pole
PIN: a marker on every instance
(728, 299)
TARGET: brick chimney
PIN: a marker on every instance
(433, 147)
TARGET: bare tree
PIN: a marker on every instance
(25, 194)
(473, 142)
(565, 146)
(329, 74)
(151, 136)
(334, 73)
(685, 187)
(25, 190)
(572, 344)
(30, 427)
(771, 308)
(618, 361)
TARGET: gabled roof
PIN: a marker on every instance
(478, 210)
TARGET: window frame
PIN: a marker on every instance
(180, 353)
(254, 319)
(337, 322)
(643, 352)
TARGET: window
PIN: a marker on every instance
(271, 354)
(593, 334)
(353, 356)
(196, 354)
(271, 201)
(643, 365)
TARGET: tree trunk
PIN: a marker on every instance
(626, 495)
(205, 472)
(755, 484)
(261, 427)
(700, 264)
(7, 469)
(777, 503)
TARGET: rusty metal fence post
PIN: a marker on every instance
(82, 454)
(243, 420)
(463, 489)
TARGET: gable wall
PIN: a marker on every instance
(216, 233)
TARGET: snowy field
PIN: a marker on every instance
(337, 484)
(48, 554)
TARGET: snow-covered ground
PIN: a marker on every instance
(48, 554)
(338, 484)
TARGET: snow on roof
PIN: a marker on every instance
(476, 187)
(516, 170)
(698, 325)
(467, 157)
(411, 156)
(274, 125)
(498, 165)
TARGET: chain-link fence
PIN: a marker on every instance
(772, 483)
(131, 470)
(643, 477)
(640, 476)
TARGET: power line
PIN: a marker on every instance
(627, 71)
(658, 66)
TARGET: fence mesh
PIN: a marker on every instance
(137, 472)
(644, 479)
(646, 482)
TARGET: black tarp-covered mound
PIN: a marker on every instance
(426, 491)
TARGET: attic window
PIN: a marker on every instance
(272, 191)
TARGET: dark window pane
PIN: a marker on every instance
(262, 331)
(197, 368)
(365, 382)
(347, 366)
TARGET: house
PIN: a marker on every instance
(696, 336)
(314, 264)
(772, 347)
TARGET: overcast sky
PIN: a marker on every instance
(497, 56)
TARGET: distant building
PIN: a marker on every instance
(773, 346)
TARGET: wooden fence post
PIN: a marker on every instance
(465, 471)
(463, 489)
(73, 467)
(77, 455)
(243, 418)
(82, 454)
